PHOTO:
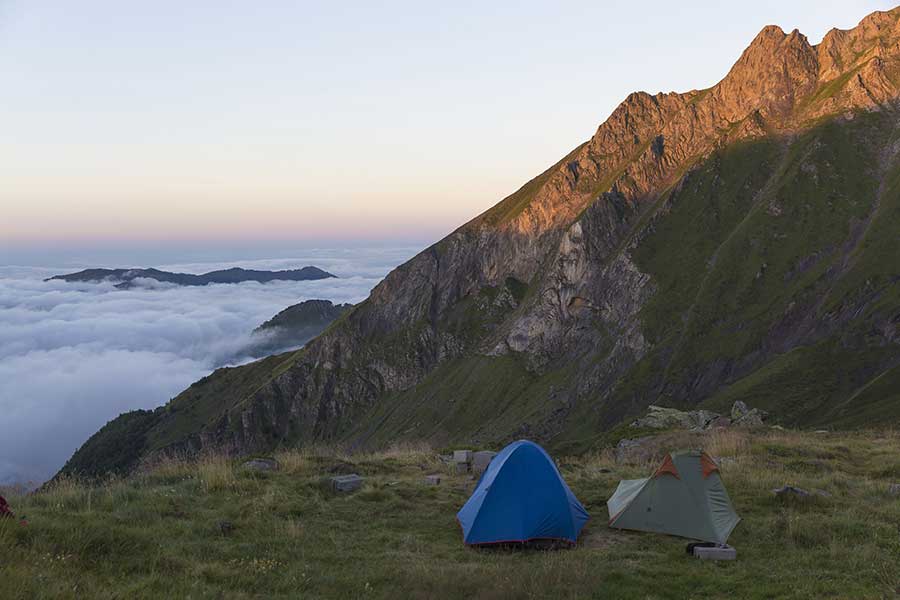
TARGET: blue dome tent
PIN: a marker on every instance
(521, 497)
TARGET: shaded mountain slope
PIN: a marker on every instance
(738, 242)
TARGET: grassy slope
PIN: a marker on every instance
(748, 250)
(156, 534)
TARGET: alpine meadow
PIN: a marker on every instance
(668, 366)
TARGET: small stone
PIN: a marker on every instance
(632, 450)
(225, 527)
(894, 489)
(432, 480)
(262, 464)
(346, 483)
(715, 552)
(795, 492)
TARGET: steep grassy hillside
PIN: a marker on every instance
(159, 533)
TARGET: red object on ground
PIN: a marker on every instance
(5, 511)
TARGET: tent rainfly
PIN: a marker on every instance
(684, 497)
(521, 497)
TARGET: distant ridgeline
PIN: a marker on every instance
(295, 325)
(126, 277)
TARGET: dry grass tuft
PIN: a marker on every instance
(215, 472)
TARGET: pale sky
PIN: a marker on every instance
(141, 122)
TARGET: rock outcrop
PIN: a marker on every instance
(701, 248)
(659, 417)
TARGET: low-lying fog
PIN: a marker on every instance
(75, 355)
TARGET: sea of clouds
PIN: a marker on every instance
(75, 355)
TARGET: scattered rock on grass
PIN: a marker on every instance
(632, 450)
(660, 417)
(894, 489)
(225, 527)
(790, 491)
(262, 464)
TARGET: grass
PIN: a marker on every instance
(158, 533)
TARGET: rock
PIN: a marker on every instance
(462, 456)
(790, 491)
(660, 417)
(432, 480)
(346, 483)
(719, 423)
(742, 416)
(225, 527)
(632, 450)
(604, 470)
(461, 468)
(262, 464)
(894, 489)
(481, 460)
(715, 552)
(738, 410)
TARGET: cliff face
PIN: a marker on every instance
(703, 247)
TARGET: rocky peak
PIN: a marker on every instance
(771, 75)
(780, 83)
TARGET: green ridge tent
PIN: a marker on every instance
(684, 497)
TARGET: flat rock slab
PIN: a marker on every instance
(481, 460)
(262, 464)
(346, 483)
(715, 553)
(462, 456)
(432, 480)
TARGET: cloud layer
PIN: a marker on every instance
(73, 356)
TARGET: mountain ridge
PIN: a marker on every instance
(126, 277)
(699, 249)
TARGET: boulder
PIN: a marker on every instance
(660, 417)
(432, 480)
(743, 416)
